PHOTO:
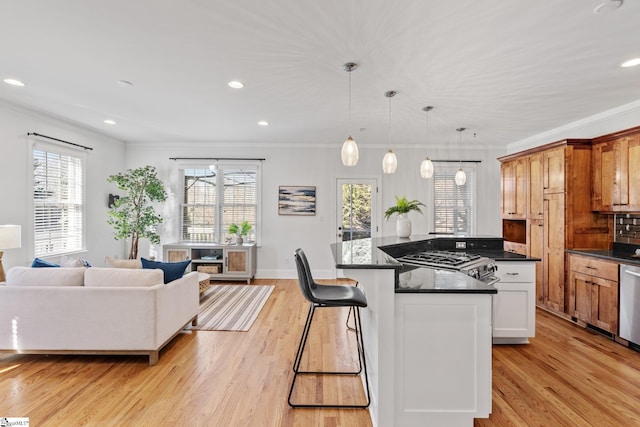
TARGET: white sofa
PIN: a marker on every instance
(94, 310)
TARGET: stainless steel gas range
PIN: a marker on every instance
(476, 266)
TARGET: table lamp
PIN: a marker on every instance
(9, 239)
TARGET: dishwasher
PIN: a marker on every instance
(630, 303)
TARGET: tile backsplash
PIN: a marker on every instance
(627, 228)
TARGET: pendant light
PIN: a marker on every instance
(461, 177)
(426, 168)
(349, 152)
(389, 162)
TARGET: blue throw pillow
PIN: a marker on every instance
(172, 270)
(37, 263)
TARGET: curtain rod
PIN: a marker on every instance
(211, 158)
(456, 161)
(59, 140)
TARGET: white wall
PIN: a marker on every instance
(107, 158)
(319, 166)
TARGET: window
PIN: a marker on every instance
(58, 201)
(453, 205)
(216, 198)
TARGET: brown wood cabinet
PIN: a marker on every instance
(558, 212)
(514, 190)
(535, 191)
(616, 177)
(593, 285)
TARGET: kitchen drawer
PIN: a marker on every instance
(594, 267)
(516, 272)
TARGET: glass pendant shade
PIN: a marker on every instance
(350, 153)
(426, 168)
(389, 162)
(461, 177)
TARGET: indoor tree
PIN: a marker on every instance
(132, 215)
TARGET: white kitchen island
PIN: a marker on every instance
(428, 338)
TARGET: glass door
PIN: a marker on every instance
(357, 209)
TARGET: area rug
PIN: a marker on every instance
(231, 307)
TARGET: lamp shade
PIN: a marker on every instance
(426, 168)
(389, 162)
(461, 177)
(10, 236)
(349, 152)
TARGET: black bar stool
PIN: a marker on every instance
(321, 296)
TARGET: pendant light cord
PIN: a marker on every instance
(349, 103)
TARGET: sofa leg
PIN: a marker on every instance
(153, 357)
(194, 322)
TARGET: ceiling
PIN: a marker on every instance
(505, 70)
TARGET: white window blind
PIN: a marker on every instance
(214, 199)
(58, 181)
(453, 205)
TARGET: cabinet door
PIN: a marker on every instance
(237, 261)
(606, 178)
(553, 170)
(535, 185)
(580, 301)
(604, 308)
(631, 173)
(535, 249)
(553, 282)
(176, 255)
(514, 175)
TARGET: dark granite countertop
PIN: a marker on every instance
(380, 253)
(621, 252)
(430, 280)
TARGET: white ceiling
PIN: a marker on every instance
(506, 70)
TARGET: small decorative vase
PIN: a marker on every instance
(239, 241)
(403, 226)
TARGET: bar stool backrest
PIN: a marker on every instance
(305, 280)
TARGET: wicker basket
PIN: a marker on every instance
(209, 269)
(204, 285)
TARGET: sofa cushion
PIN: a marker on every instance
(37, 263)
(121, 277)
(63, 276)
(172, 270)
(122, 263)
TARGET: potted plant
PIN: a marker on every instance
(132, 215)
(402, 208)
(240, 231)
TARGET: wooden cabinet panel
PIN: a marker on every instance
(553, 170)
(535, 249)
(553, 252)
(514, 190)
(616, 175)
(535, 187)
(593, 291)
(221, 262)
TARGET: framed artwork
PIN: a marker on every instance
(296, 200)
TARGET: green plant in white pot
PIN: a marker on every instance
(240, 231)
(402, 208)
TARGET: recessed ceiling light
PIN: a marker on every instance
(235, 84)
(124, 83)
(607, 5)
(263, 123)
(14, 82)
(631, 63)
(110, 122)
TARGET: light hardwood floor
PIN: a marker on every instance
(567, 376)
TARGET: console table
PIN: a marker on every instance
(221, 262)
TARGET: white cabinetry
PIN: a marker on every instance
(221, 262)
(514, 306)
